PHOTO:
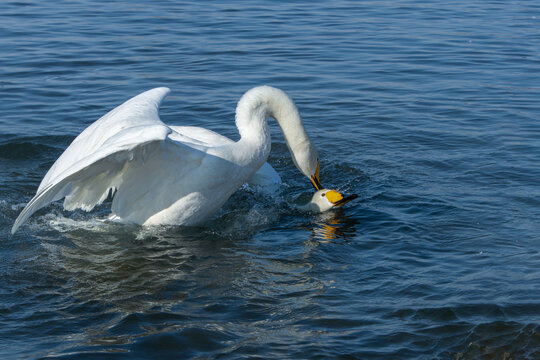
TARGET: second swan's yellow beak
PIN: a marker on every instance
(315, 178)
(337, 199)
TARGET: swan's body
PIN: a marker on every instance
(163, 174)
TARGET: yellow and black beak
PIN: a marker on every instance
(345, 200)
(337, 199)
(315, 179)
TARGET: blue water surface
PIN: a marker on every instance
(428, 110)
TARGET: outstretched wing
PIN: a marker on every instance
(138, 111)
(95, 161)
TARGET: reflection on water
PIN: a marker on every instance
(333, 225)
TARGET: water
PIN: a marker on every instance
(427, 110)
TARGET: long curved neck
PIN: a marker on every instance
(252, 113)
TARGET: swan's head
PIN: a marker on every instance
(326, 199)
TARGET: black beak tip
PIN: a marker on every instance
(346, 199)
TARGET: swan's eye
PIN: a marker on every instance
(323, 194)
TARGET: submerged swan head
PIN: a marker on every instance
(326, 199)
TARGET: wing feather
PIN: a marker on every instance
(94, 162)
(137, 111)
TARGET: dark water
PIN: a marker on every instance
(429, 110)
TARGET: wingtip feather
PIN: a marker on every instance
(19, 221)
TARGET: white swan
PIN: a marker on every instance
(162, 174)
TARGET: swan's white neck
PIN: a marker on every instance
(252, 113)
